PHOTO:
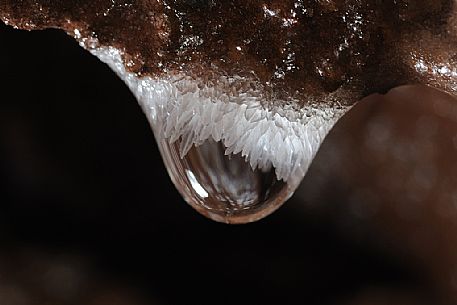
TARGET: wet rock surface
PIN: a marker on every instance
(304, 49)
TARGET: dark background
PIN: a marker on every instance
(88, 214)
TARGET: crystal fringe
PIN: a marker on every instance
(177, 107)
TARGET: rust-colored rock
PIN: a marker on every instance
(295, 48)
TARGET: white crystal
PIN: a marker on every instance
(176, 107)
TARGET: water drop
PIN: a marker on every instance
(229, 164)
(223, 187)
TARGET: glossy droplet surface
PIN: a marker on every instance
(223, 187)
(232, 162)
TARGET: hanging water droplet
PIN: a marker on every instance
(223, 187)
(230, 164)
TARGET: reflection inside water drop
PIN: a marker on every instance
(215, 118)
(223, 187)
